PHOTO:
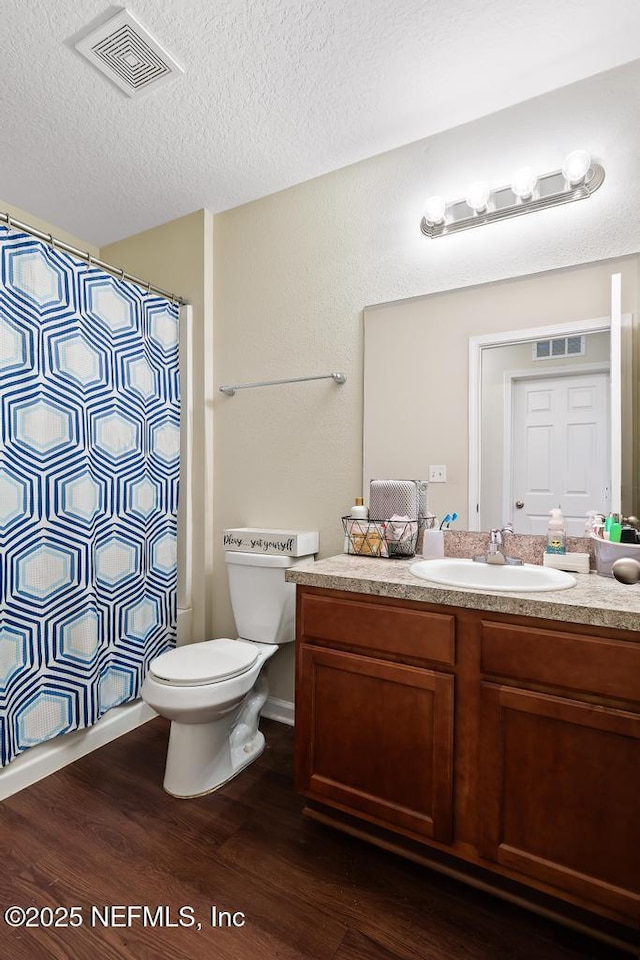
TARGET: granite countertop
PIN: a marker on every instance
(597, 601)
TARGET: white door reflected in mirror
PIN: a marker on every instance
(560, 451)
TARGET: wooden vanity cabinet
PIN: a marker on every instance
(559, 761)
(532, 773)
(374, 716)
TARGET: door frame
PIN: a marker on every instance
(476, 346)
(510, 378)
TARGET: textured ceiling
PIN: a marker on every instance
(274, 92)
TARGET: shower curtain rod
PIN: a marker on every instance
(54, 242)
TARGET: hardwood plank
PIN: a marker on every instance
(171, 865)
(103, 832)
(356, 946)
(407, 910)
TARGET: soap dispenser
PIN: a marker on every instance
(358, 510)
(556, 532)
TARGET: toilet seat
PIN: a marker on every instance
(200, 663)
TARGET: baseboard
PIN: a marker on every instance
(38, 762)
(281, 710)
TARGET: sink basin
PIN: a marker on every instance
(528, 578)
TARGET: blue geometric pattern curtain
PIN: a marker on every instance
(89, 463)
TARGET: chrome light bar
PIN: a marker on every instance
(526, 194)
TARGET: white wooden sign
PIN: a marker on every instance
(288, 543)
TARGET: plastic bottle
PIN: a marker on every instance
(615, 532)
(590, 522)
(433, 544)
(358, 510)
(556, 533)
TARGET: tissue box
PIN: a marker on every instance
(288, 543)
(404, 498)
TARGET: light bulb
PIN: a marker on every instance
(524, 182)
(576, 166)
(478, 196)
(434, 210)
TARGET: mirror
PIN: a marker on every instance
(445, 375)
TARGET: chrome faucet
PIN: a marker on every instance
(495, 552)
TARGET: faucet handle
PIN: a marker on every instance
(507, 528)
(495, 536)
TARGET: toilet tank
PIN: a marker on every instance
(263, 602)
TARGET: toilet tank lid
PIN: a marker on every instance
(259, 559)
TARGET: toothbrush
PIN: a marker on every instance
(448, 519)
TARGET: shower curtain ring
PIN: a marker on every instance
(9, 222)
(52, 242)
(122, 274)
(149, 286)
(89, 260)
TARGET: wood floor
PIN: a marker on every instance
(102, 833)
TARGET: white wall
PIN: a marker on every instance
(294, 271)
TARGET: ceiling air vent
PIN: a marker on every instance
(128, 55)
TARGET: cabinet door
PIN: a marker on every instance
(560, 794)
(376, 739)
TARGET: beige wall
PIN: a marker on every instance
(294, 271)
(177, 257)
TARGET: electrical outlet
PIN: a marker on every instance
(437, 474)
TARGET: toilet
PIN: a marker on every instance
(213, 691)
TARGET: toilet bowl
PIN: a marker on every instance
(213, 691)
(213, 694)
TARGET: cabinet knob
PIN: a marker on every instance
(519, 504)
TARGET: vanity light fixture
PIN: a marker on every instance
(577, 180)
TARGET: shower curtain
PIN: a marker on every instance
(89, 464)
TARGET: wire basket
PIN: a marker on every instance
(380, 538)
